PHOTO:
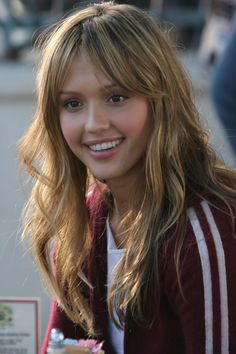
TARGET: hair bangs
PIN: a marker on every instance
(111, 44)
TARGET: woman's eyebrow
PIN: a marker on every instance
(102, 89)
(109, 86)
(68, 93)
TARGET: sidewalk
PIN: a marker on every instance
(17, 80)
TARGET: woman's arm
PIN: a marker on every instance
(206, 310)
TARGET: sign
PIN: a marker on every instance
(19, 326)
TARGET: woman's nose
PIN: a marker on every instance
(96, 120)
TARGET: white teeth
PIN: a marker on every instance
(105, 146)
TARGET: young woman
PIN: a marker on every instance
(136, 208)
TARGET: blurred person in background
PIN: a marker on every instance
(216, 31)
(223, 89)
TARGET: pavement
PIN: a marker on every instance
(17, 78)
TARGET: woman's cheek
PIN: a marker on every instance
(69, 131)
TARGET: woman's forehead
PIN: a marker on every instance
(84, 71)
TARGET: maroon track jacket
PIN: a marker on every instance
(201, 322)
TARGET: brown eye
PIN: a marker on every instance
(72, 104)
(117, 98)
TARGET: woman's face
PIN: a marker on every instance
(105, 126)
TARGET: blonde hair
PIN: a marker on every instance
(131, 49)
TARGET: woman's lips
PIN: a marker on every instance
(105, 149)
(103, 146)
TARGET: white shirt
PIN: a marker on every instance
(114, 255)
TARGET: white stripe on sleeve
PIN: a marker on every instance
(222, 278)
(207, 280)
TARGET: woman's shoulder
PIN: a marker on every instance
(206, 245)
(200, 287)
(212, 211)
(210, 224)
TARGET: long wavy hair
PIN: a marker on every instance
(129, 47)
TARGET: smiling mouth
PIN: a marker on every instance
(105, 146)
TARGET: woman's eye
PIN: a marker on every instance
(117, 98)
(72, 104)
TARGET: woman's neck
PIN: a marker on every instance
(118, 230)
(125, 206)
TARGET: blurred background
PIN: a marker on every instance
(199, 28)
